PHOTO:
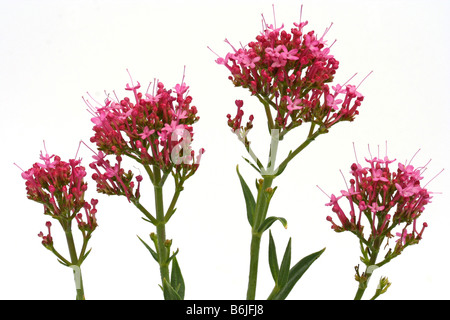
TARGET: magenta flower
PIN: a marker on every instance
(332, 102)
(376, 208)
(293, 105)
(289, 71)
(60, 187)
(376, 190)
(407, 191)
(151, 98)
(181, 88)
(143, 129)
(381, 201)
(402, 237)
(147, 133)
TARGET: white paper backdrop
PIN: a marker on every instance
(53, 52)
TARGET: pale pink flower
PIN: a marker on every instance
(293, 105)
(147, 133)
(409, 191)
(332, 102)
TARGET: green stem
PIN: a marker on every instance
(260, 215)
(144, 211)
(274, 292)
(254, 259)
(73, 257)
(266, 102)
(368, 273)
(161, 226)
(263, 203)
(311, 138)
(171, 209)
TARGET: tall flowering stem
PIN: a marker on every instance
(384, 203)
(60, 187)
(155, 131)
(289, 73)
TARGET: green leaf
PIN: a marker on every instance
(172, 256)
(269, 221)
(177, 281)
(273, 262)
(249, 199)
(254, 167)
(296, 273)
(63, 263)
(283, 275)
(153, 253)
(282, 166)
(169, 292)
(84, 257)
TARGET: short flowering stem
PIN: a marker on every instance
(369, 270)
(171, 209)
(266, 103)
(261, 208)
(147, 214)
(311, 137)
(262, 205)
(254, 259)
(161, 226)
(73, 257)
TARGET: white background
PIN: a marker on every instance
(53, 52)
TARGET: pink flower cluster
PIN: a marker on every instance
(374, 192)
(154, 130)
(290, 71)
(61, 188)
(114, 180)
(235, 123)
(47, 240)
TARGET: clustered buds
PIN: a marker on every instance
(235, 123)
(90, 212)
(61, 188)
(290, 72)
(387, 199)
(114, 180)
(47, 241)
(152, 131)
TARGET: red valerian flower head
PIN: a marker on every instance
(58, 185)
(289, 70)
(61, 188)
(387, 198)
(156, 129)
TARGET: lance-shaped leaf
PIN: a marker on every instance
(176, 279)
(283, 275)
(172, 256)
(169, 292)
(296, 273)
(63, 263)
(273, 261)
(80, 261)
(269, 221)
(153, 253)
(250, 163)
(282, 166)
(249, 199)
